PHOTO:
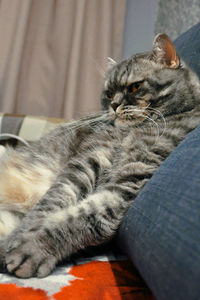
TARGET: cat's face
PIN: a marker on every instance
(135, 88)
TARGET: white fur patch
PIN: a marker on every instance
(104, 155)
(22, 184)
(8, 222)
(56, 217)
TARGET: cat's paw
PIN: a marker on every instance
(28, 258)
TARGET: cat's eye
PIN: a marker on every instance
(134, 87)
(109, 94)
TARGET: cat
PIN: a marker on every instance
(72, 188)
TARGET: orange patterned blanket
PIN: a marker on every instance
(103, 277)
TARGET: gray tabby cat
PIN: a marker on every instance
(71, 189)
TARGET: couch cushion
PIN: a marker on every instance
(188, 46)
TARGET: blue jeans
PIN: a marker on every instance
(161, 231)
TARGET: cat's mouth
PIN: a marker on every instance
(129, 115)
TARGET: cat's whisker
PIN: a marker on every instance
(89, 120)
(131, 110)
(161, 115)
(155, 123)
(157, 126)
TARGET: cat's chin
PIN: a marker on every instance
(122, 123)
(125, 120)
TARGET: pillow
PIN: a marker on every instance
(188, 46)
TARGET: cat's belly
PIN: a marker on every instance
(22, 184)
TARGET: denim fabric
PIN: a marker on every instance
(161, 231)
(188, 46)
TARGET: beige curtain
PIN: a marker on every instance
(53, 53)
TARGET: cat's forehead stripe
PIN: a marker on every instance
(129, 71)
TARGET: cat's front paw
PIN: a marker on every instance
(29, 258)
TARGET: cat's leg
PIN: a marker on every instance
(37, 246)
(34, 243)
(52, 230)
(9, 220)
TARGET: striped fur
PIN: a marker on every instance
(73, 187)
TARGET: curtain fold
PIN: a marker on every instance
(53, 52)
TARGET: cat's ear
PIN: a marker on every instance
(110, 63)
(164, 51)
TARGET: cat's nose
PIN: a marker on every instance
(114, 105)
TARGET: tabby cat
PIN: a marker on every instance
(72, 188)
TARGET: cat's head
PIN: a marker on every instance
(158, 80)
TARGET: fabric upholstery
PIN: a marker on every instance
(161, 232)
(176, 16)
(188, 46)
(29, 128)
